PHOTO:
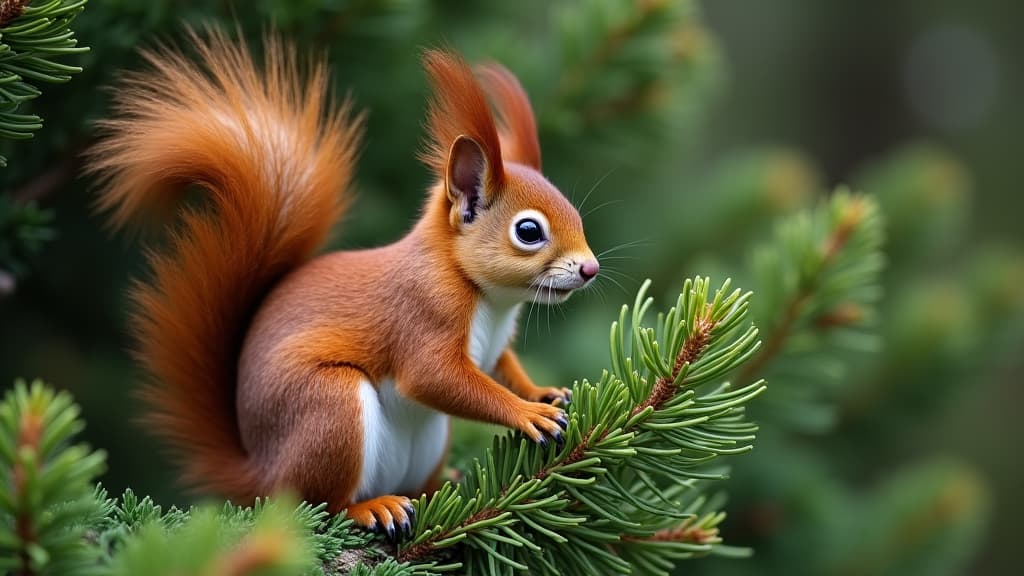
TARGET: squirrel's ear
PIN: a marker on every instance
(465, 179)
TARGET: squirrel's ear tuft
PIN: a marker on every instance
(465, 175)
(518, 130)
(459, 109)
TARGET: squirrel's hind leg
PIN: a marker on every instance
(322, 454)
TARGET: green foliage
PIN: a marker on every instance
(46, 493)
(24, 230)
(926, 519)
(264, 541)
(882, 384)
(54, 521)
(819, 281)
(32, 37)
(624, 66)
(617, 85)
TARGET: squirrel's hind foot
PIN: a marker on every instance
(387, 514)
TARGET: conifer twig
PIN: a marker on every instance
(852, 217)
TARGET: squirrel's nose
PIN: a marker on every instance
(589, 269)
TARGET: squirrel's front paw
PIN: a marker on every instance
(556, 396)
(542, 422)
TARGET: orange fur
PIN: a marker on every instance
(261, 361)
(518, 133)
(274, 170)
(459, 108)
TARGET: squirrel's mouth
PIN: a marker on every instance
(551, 295)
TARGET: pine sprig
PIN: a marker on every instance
(47, 497)
(32, 38)
(819, 284)
(637, 444)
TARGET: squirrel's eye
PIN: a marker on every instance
(528, 231)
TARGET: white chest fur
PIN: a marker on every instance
(403, 442)
(490, 332)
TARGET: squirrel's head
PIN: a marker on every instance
(515, 235)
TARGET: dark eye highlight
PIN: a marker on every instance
(528, 231)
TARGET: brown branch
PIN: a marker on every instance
(10, 10)
(30, 429)
(662, 392)
(842, 315)
(685, 532)
(775, 342)
(426, 547)
(693, 347)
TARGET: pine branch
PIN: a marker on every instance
(636, 444)
(819, 278)
(32, 37)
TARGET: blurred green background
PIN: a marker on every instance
(685, 131)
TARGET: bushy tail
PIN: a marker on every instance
(274, 158)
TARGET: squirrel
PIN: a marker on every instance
(333, 376)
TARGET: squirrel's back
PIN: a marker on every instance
(274, 159)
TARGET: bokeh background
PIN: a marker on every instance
(685, 131)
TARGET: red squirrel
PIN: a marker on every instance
(333, 376)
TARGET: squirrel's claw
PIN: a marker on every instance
(410, 510)
(410, 517)
(542, 422)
